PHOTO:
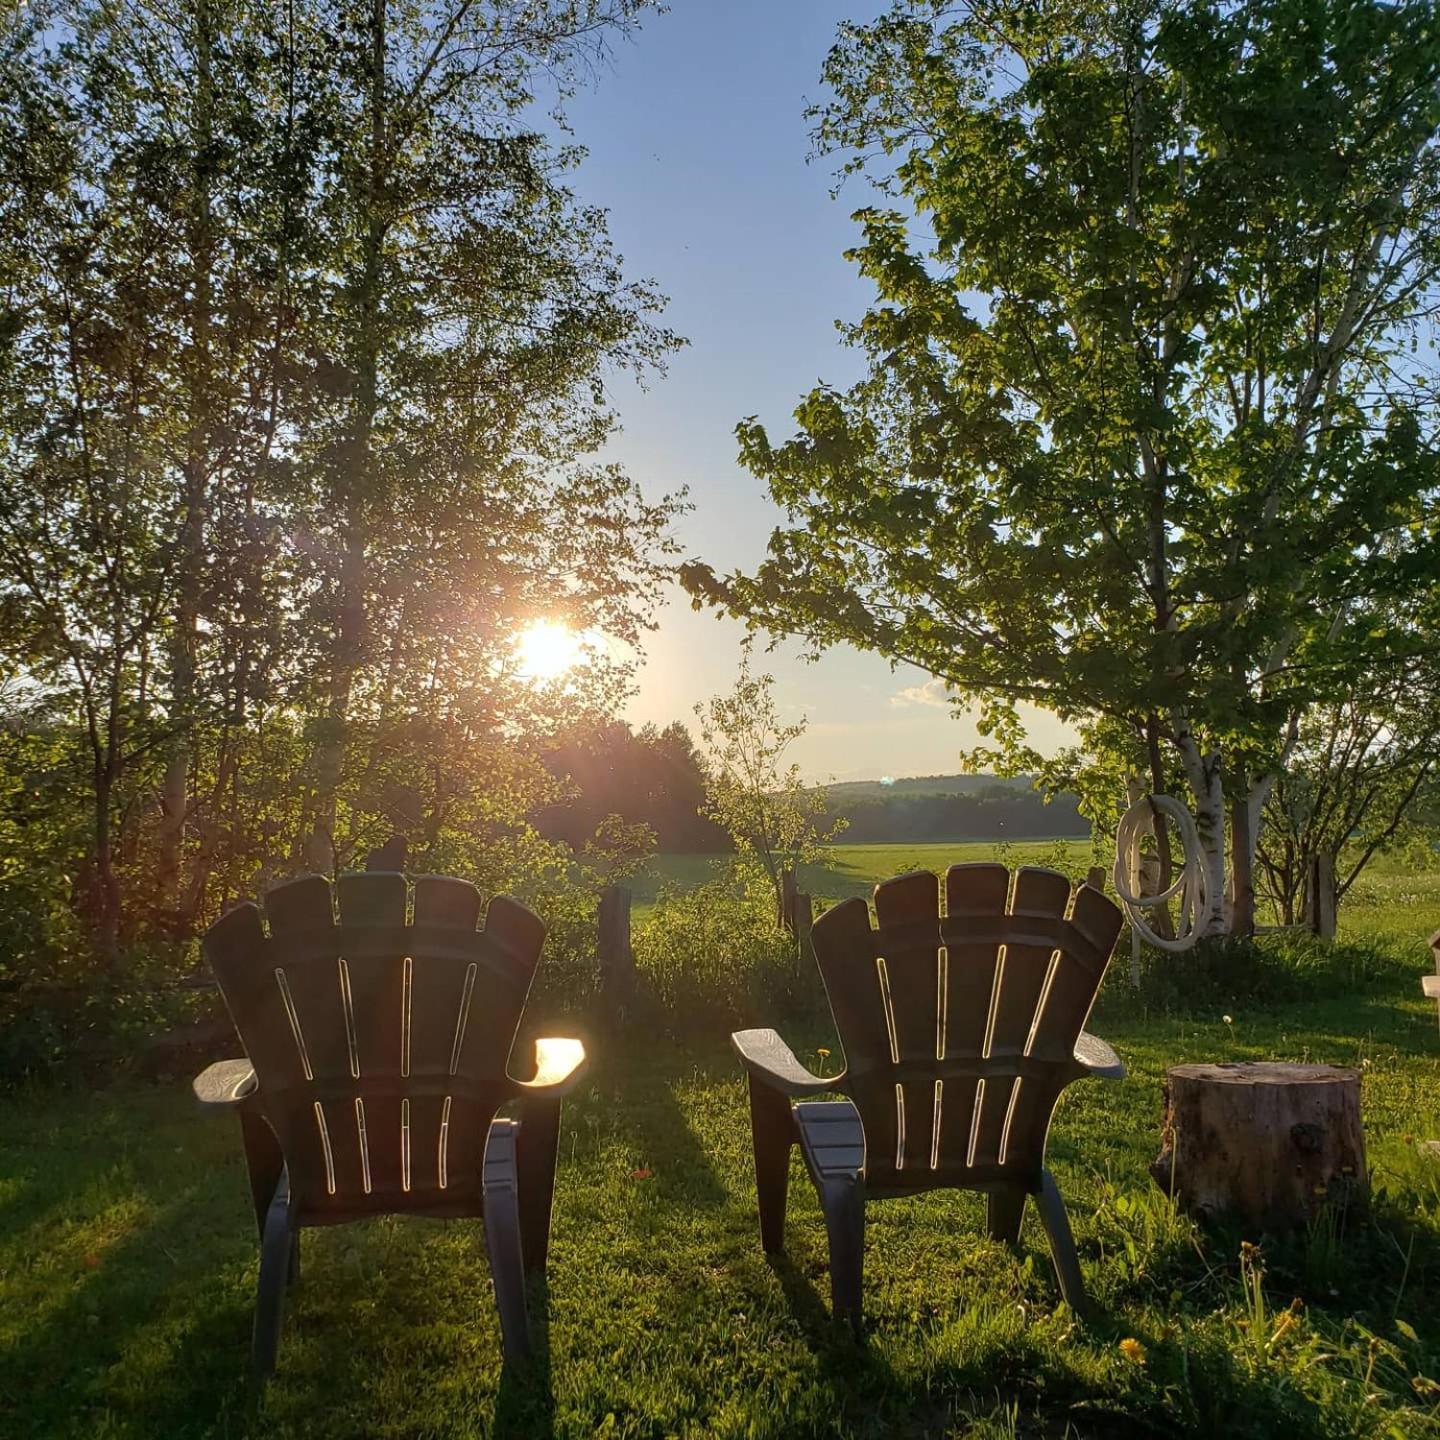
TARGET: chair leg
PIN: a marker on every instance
(277, 1249)
(772, 1133)
(1062, 1243)
(1004, 1212)
(265, 1162)
(843, 1202)
(504, 1246)
(536, 1142)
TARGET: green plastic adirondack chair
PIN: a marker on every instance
(377, 1021)
(960, 1028)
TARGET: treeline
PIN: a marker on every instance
(996, 812)
(652, 778)
(657, 779)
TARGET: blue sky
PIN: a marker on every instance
(698, 149)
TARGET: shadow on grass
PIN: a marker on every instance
(110, 1345)
(525, 1403)
(639, 1100)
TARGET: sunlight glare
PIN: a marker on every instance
(546, 649)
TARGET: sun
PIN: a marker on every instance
(546, 649)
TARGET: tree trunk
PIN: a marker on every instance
(174, 792)
(1203, 774)
(1242, 869)
(356, 493)
(106, 919)
(1268, 1144)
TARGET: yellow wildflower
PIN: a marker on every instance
(1132, 1350)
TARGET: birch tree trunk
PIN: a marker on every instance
(1203, 773)
(356, 496)
(174, 793)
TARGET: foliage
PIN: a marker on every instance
(1361, 780)
(712, 959)
(997, 812)
(304, 347)
(764, 805)
(1148, 431)
(651, 777)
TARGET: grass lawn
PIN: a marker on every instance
(127, 1267)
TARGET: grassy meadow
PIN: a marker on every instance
(127, 1260)
(854, 869)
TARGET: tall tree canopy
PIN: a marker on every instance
(1148, 433)
(303, 353)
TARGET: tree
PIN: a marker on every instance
(304, 344)
(1148, 430)
(1361, 771)
(769, 812)
(649, 777)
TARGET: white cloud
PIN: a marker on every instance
(931, 693)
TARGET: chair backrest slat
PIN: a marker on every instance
(959, 1026)
(380, 1037)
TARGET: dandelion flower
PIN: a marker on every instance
(1228, 1019)
(823, 1053)
(1132, 1350)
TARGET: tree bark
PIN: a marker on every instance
(1242, 869)
(1268, 1144)
(174, 793)
(1203, 775)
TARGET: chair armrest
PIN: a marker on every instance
(767, 1058)
(226, 1082)
(1430, 984)
(559, 1063)
(1093, 1057)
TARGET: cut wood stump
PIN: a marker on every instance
(1268, 1144)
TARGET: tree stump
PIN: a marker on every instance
(1268, 1144)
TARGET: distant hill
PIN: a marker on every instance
(843, 791)
(951, 808)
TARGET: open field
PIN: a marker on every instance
(127, 1265)
(854, 869)
(1390, 897)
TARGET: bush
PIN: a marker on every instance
(1267, 970)
(62, 1025)
(712, 959)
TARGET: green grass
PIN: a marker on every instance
(854, 869)
(127, 1266)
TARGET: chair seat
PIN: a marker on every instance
(832, 1139)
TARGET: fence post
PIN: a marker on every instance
(617, 959)
(804, 918)
(1320, 896)
(786, 917)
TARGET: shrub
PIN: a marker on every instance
(712, 959)
(1267, 970)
